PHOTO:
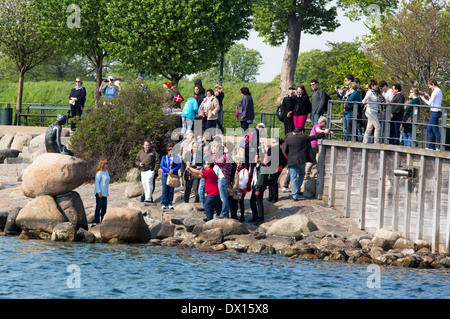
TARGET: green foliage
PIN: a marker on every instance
(116, 131)
(240, 65)
(175, 38)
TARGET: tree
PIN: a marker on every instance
(176, 38)
(279, 20)
(21, 41)
(78, 29)
(240, 64)
(413, 44)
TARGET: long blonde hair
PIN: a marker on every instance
(101, 165)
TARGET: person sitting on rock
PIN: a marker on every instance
(53, 137)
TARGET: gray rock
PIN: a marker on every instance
(210, 236)
(229, 226)
(3, 219)
(234, 245)
(72, 206)
(11, 228)
(133, 175)
(85, 236)
(64, 232)
(292, 224)
(256, 248)
(167, 230)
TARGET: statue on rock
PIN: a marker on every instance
(53, 137)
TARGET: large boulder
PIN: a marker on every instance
(40, 215)
(72, 206)
(134, 190)
(229, 226)
(6, 140)
(124, 224)
(11, 227)
(53, 174)
(21, 140)
(291, 225)
(387, 237)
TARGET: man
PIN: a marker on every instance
(147, 160)
(287, 109)
(386, 91)
(297, 149)
(259, 184)
(319, 102)
(223, 164)
(110, 90)
(396, 114)
(77, 99)
(435, 101)
(213, 202)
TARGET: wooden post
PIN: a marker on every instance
(348, 183)
(381, 189)
(420, 200)
(363, 195)
(437, 203)
(409, 186)
(332, 185)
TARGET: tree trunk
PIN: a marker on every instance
(99, 74)
(290, 56)
(19, 96)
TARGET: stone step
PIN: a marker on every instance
(17, 160)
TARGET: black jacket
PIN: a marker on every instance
(303, 106)
(288, 105)
(398, 98)
(298, 148)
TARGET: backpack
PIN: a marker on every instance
(279, 113)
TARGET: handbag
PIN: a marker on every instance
(173, 180)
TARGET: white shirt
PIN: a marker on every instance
(371, 99)
(218, 171)
(388, 95)
(243, 178)
(435, 100)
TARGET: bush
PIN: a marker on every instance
(116, 131)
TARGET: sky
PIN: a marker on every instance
(273, 56)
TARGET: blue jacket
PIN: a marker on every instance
(348, 109)
(190, 109)
(165, 164)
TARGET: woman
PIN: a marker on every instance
(238, 196)
(371, 101)
(220, 96)
(259, 184)
(318, 128)
(188, 114)
(194, 157)
(303, 107)
(407, 118)
(347, 115)
(435, 101)
(77, 99)
(212, 109)
(170, 164)
(102, 179)
(245, 110)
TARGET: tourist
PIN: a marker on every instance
(386, 97)
(223, 164)
(302, 108)
(408, 116)
(435, 101)
(170, 164)
(251, 144)
(110, 90)
(220, 96)
(319, 101)
(239, 195)
(188, 114)
(287, 110)
(347, 116)
(213, 202)
(298, 150)
(211, 108)
(318, 128)
(77, 99)
(371, 101)
(207, 157)
(191, 182)
(245, 111)
(199, 91)
(259, 184)
(147, 160)
(396, 114)
(278, 163)
(362, 119)
(102, 179)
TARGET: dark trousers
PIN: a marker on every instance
(234, 203)
(75, 110)
(288, 125)
(395, 129)
(191, 182)
(273, 187)
(244, 125)
(213, 203)
(257, 205)
(100, 208)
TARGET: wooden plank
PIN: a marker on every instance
(447, 229)
(348, 183)
(381, 189)
(395, 189)
(420, 200)
(408, 190)
(437, 203)
(321, 172)
(362, 198)
(332, 174)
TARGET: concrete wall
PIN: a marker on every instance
(358, 179)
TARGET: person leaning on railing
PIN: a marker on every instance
(435, 101)
(407, 117)
(371, 101)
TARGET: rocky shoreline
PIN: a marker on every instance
(37, 204)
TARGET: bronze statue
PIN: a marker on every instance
(53, 137)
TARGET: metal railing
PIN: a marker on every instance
(418, 136)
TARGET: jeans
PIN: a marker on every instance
(167, 192)
(433, 130)
(347, 121)
(186, 125)
(212, 203)
(297, 173)
(201, 192)
(406, 138)
(223, 190)
(100, 208)
(315, 118)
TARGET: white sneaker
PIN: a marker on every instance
(170, 207)
(163, 207)
(285, 190)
